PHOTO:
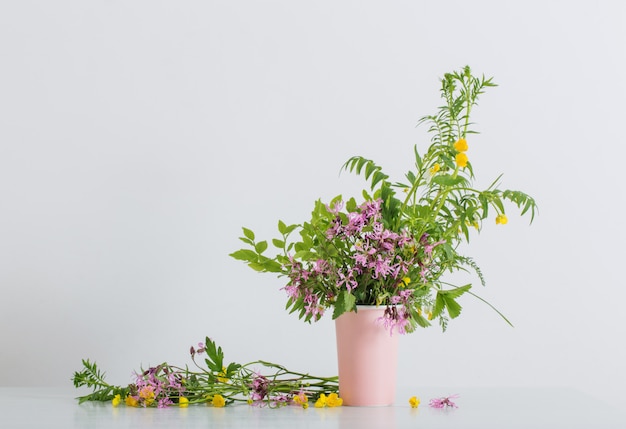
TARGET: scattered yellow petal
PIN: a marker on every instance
(461, 159)
(218, 401)
(414, 402)
(461, 145)
(183, 402)
(116, 400)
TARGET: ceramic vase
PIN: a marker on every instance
(367, 358)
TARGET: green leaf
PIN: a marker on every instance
(215, 356)
(453, 307)
(447, 180)
(247, 241)
(271, 266)
(439, 305)
(345, 302)
(232, 369)
(248, 233)
(245, 255)
(261, 246)
(257, 266)
(306, 255)
(456, 292)
(278, 243)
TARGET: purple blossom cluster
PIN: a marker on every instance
(444, 402)
(368, 255)
(157, 385)
(377, 252)
(261, 393)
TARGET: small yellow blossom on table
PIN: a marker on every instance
(332, 400)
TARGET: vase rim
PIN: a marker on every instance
(372, 307)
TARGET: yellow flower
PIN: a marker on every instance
(147, 394)
(461, 159)
(131, 401)
(430, 315)
(301, 399)
(405, 281)
(221, 377)
(183, 402)
(414, 402)
(334, 400)
(461, 145)
(501, 219)
(435, 168)
(321, 401)
(116, 400)
(218, 401)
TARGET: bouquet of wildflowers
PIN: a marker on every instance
(393, 247)
(215, 384)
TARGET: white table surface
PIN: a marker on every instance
(484, 408)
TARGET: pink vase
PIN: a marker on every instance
(367, 358)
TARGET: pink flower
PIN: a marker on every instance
(444, 402)
(395, 318)
(348, 280)
(335, 209)
(428, 248)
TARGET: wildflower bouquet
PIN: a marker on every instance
(216, 384)
(393, 247)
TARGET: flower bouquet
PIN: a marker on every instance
(212, 382)
(394, 245)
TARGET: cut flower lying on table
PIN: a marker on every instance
(393, 247)
(215, 384)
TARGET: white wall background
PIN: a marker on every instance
(137, 137)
